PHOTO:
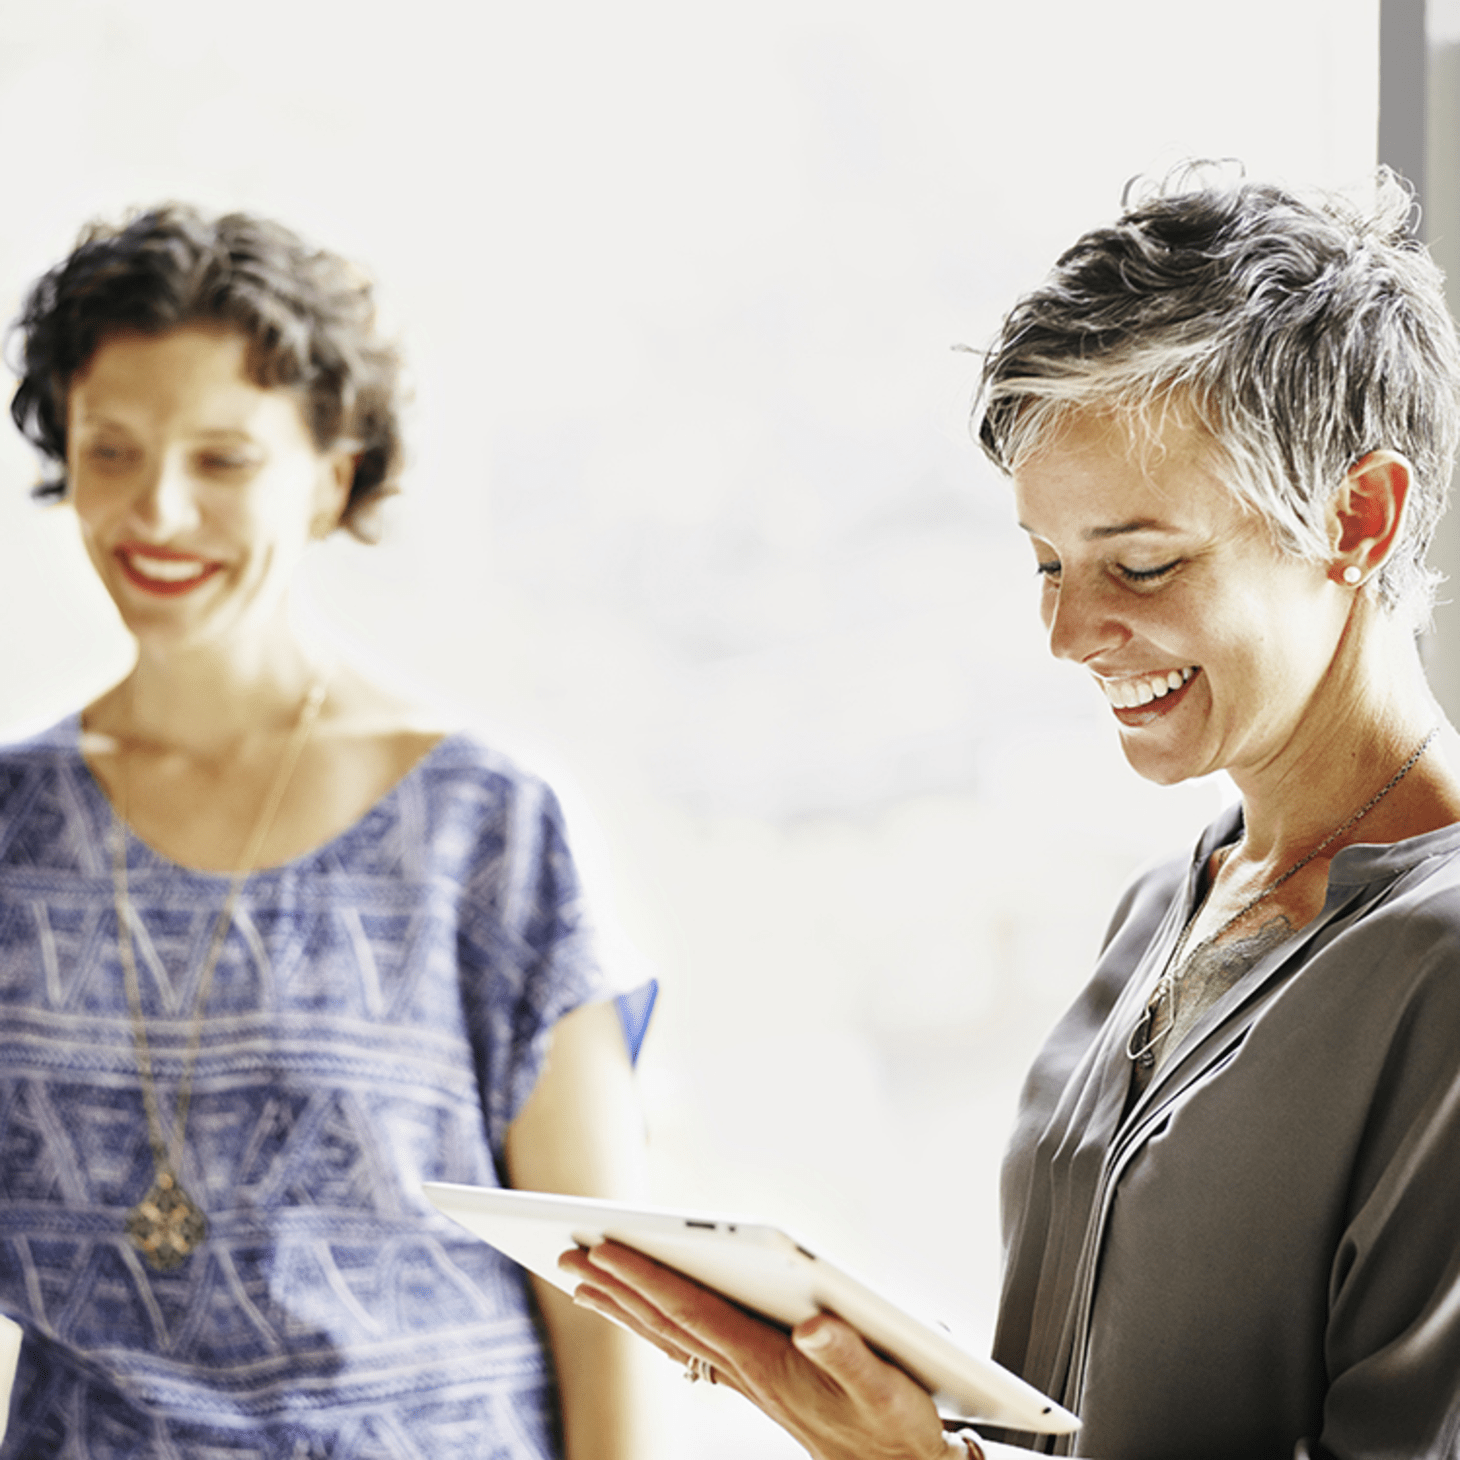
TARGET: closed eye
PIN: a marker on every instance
(109, 453)
(226, 463)
(1048, 570)
(1148, 575)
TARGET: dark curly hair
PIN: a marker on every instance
(309, 317)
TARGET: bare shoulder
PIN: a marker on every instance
(364, 721)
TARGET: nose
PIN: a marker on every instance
(165, 502)
(1081, 616)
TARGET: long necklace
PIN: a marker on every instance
(1140, 1047)
(167, 1225)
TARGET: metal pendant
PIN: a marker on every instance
(1141, 1046)
(167, 1226)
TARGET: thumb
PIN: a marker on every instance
(836, 1349)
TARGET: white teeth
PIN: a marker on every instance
(167, 570)
(1131, 694)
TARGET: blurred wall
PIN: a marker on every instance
(1441, 230)
(693, 521)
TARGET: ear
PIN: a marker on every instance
(1366, 514)
(332, 490)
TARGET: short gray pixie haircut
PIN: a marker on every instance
(1301, 336)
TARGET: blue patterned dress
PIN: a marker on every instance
(378, 1017)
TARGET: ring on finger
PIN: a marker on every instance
(696, 1368)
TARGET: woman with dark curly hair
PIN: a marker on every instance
(274, 950)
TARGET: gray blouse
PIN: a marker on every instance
(1261, 1258)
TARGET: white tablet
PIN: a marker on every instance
(762, 1269)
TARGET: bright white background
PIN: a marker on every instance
(693, 521)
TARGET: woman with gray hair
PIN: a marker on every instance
(1230, 1203)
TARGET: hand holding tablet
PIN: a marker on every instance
(760, 1269)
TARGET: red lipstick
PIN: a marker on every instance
(167, 574)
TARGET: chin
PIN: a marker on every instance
(1152, 765)
(167, 629)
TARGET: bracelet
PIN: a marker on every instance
(963, 1442)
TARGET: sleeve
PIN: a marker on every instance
(1393, 1338)
(526, 952)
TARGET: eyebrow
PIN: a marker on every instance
(1141, 524)
(1121, 529)
(118, 423)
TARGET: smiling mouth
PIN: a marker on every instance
(1143, 698)
(164, 574)
(1131, 694)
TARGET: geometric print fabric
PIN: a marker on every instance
(378, 1015)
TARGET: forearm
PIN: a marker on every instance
(605, 1386)
(581, 1133)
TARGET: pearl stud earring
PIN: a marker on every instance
(1351, 575)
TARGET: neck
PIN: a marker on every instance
(206, 700)
(1369, 714)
